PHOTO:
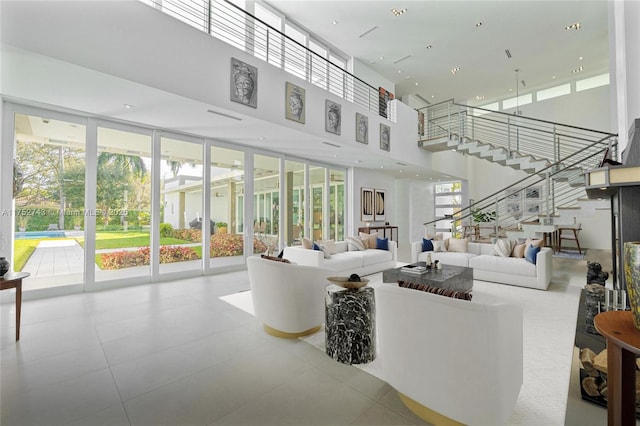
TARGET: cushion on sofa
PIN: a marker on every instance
(325, 250)
(427, 245)
(369, 239)
(502, 248)
(355, 244)
(458, 245)
(436, 290)
(536, 243)
(382, 243)
(531, 253)
(307, 243)
(439, 245)
(435, 237)
(329, 244)
(518, 250)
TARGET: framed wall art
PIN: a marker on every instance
(362, 128)
(380, 213)
(385, 137)
(294, 102)
(244, 83)
(367, 204)
(332, 117)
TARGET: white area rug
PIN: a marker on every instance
(242, 301)
(549, 319)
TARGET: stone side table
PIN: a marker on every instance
(350, 324)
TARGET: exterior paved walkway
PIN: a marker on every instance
(55, 257)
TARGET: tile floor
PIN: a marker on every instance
(174, 354)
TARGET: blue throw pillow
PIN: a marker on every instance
(382, 243)
(427, 245)
(531, 253)
(316, 247)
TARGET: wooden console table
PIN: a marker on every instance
(384, 229)
(15, 281)
(623, 344)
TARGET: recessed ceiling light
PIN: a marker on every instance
(479, 24)
(399, 71)
(577, 70)
(127, 106)
(455, 70)
(433, 96)
(382, 167)
(381, 57)
(416, 83)
(580, 58)
(553, 77)
(396, 12)
(479, 97)
(262, 138)
(335, 22)
(429, 46)
(575, 26)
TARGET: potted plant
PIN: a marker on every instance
(484, 222)
(222, 227)
(77, 223)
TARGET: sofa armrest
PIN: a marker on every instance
(544, 260)
(303, 256)
(393, 248)
(416, 249)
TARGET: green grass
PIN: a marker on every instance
(23, 249)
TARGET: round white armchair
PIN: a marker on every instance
(287, 298)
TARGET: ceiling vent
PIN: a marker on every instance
(375, 27)
(402, 59)
(331, 144)
(507, 53)
(222, 114)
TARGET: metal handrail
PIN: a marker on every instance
(252, 34)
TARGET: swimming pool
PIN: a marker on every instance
(32, 235)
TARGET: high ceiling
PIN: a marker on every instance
(471, 35)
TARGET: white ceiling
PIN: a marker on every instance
(533, 31)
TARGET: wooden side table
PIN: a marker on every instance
(15, 281)
(623, 344)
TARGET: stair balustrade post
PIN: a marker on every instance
(449, 119)
(549, 199)
(508, 137)
(556, 145)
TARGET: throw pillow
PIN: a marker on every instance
(382, 243)
(502, 248)
(531, 253)
(518, 250)
(315, 246)
(427, 245)
(437, 290)
(275, 259)
(436, 237)
(307, 243)
(439, 245)
(370, 239)
(459, 245)
(330, 244)
(281, 254)
(325, 251)
(536, 243)
(355, 244)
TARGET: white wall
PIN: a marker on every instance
(365, 178)
(370, 76)
(632, 47)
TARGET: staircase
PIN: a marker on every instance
(554, 155)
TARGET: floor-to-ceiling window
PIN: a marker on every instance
(49, 209)
(181, 204)
(123, 199)
(113, 201)
(266, 200)
(336, 205)
(227, 207)
(294, 218)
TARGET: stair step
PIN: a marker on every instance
(437, 144)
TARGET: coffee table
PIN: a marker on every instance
(458, 278)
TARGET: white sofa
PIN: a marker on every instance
(487, 267)
(456, 358)
(287, 298)
(345, 262)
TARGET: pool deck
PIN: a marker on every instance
(55, 257)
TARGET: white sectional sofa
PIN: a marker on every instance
(487, 267)
(345, 262)
(450, 357)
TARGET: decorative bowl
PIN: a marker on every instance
(344, 282)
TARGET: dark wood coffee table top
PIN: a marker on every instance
(458, 278)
